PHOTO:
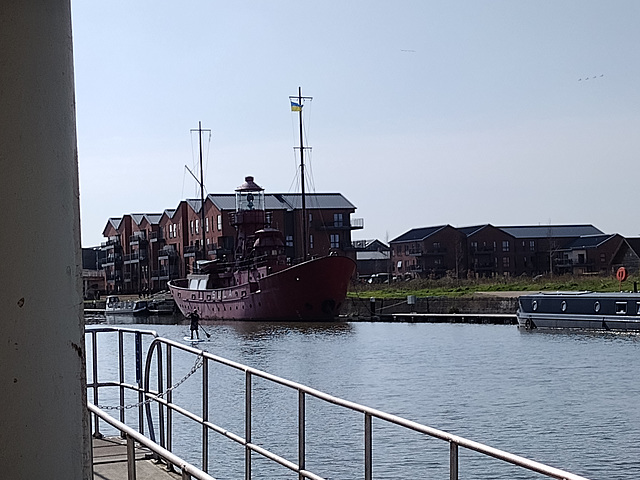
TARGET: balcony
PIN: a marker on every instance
(112, 242)
(135, 257)
(354, 224)
(156, 236)
(435, 251)
(481, 250)
(193, 251)
(168, 252)
(138, 238)
(112, 260)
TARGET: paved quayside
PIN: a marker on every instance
(110, 462)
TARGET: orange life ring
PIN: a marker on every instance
(621, 274)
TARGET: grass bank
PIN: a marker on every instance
(450, 287)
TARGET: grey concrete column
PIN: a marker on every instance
(43, 420)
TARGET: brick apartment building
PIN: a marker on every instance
(144, 251)
(488, 251)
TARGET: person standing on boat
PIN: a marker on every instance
(194, 318)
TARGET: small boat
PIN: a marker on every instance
(582, 310)
(115, 306)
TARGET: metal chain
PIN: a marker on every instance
(198, 363)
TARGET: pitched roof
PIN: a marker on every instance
(115, 222)
(194, 203)
(634, 243)
(473, 229)
(551, 231)
(369, 244)
(152, 218)
(286, 201)
(589, 241)
(418, 234)
(372, 255)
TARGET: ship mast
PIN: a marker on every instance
(201, 182)
(298, 106)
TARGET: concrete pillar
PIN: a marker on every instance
(43, 420)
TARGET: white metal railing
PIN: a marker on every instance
(162, 398)
(186, 469)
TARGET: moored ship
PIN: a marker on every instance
(258, 284)
(257, 281)
(580, 310)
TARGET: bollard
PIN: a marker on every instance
(372, 306)
(411, 301)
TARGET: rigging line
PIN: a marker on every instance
(193, 154)
(293, 186)
(206, 163)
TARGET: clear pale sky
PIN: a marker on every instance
(423, 113)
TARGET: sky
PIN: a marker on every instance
(424, 112)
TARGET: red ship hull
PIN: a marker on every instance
(310, 291)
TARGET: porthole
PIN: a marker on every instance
(534, 305)
(596, 306)
(563, 306)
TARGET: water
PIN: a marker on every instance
(569, 400)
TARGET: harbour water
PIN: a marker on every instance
(569, 400)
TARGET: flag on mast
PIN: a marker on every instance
(295, 107)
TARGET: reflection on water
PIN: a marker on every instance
(251, 329)
(563, 398)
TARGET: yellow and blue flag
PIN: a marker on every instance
(296, 107)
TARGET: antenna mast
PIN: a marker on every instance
(201, 182)
(298, 106)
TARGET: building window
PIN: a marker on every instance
(437, 262)
(310, 217)
(289, 241)
(436, 246)
(474, 246)
(197, 226)
(505, 262)
(335, 240)
(532, 245)
(505, 245)
(337, 220)
(220, 222)
(311, 241)
(399, 265)
(603, 257)
(206, 221)
(191, 226)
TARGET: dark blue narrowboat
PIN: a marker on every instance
(582, 310)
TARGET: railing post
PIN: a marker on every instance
(247, 426)
(205, 414)
(453, 461)
(169, 400)
(94, 348)
(368, 457)
(139, 380)
(131, 457)
(301, 433)
(121, 372)
(161, 388)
